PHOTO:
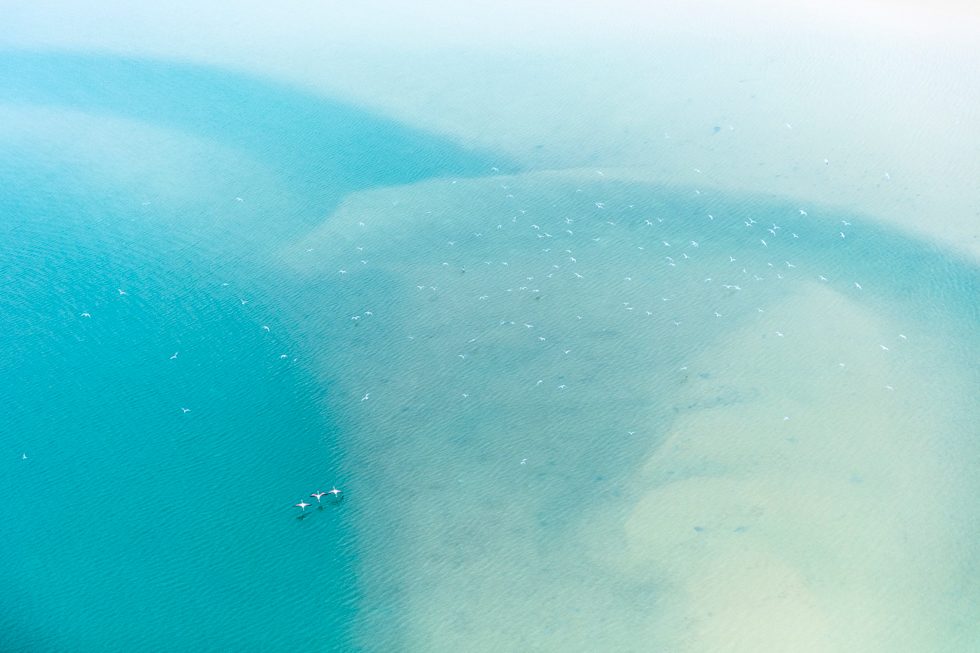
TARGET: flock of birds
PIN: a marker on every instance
(583, 231)
(563, 241)
(335, 494)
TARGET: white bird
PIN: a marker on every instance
(764, 243)
(174, 357)
(302, 505)
(185, 410)
(318, 495)
(802, 212)
(121, 291)
(86, 314)
(266, 327)
(857, 285)
(335, 492)
(367, 395)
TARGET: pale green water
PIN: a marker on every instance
(557, 406)
(522, 419)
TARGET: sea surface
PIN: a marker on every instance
(568, 410)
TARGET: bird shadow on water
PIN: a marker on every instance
(333, 505)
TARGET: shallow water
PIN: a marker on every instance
(604, 432)
(564, 417)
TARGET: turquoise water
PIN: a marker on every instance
(509, 374)
(141, 526)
